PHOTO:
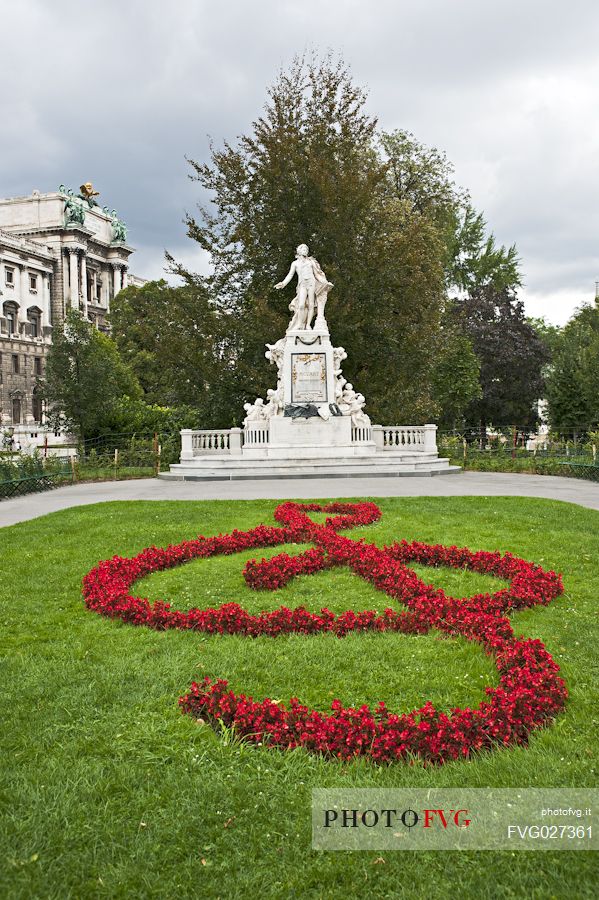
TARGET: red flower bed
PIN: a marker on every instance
(530, 692)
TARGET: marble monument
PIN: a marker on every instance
(312, 421)
(313, 408)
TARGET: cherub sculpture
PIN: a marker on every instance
(255, 412)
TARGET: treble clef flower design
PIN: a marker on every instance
(530, 692)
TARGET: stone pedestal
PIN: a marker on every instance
(308, 371)
(314, 432)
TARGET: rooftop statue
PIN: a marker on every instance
(73, 211)
(87, 192)
(119, 229)
(312, 289)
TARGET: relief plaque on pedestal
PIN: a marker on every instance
(309, 378)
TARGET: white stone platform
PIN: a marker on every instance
(231, 454)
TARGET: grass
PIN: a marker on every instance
(108, 791)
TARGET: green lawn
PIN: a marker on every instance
(108, 791)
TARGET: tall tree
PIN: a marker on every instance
(550, 334)
(474, 260)
(422, 178)
(382, 213)
(85, 380)
(511, 355)
(457, 372)
(310, 172)
(178, 346)
(573, 379)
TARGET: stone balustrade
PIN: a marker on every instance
(229, 441)
(406, 437)
(360, 434)
(256, 434)
(209, 442)
(18, 242)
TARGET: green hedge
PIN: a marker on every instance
(580, 467)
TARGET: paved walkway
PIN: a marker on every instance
(486, 484)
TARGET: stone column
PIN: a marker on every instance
(378, 437)
(430, 438)
(116, 270)
(94, 299)
(25, 290)
(186, 444)
(16, 291)
(104, 285)
(125, 277)
(74, 279)
(65, 292)
(45, 304)
(25, 297)
(234, 441)
(84, 282)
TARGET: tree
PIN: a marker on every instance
(421, 177)
(511, 355)
(573, 380)
(85, 379)
(457, 373)
(178, 346)
(549, 334)
(310, 172)
(385, 219)
(475, 261)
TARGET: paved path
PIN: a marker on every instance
(486, 484)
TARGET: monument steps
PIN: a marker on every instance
(231, 469)
(397, 458)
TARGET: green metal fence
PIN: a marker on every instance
(18, 477)
(512, 448)
(590, 471)
(153, 451)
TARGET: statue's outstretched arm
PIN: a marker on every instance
(288, 278)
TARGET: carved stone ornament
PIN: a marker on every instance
(255, 412)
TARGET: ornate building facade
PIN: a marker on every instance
(58, 251)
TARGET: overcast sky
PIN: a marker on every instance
(117, 92)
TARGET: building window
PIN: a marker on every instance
(16, 411)
(34, 317)
(33, 284)
(36, 406)
(10, 314)
(37, 365)
(15, 364)
(9, 277)
(99, 290)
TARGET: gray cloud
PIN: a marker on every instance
(119, 91)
